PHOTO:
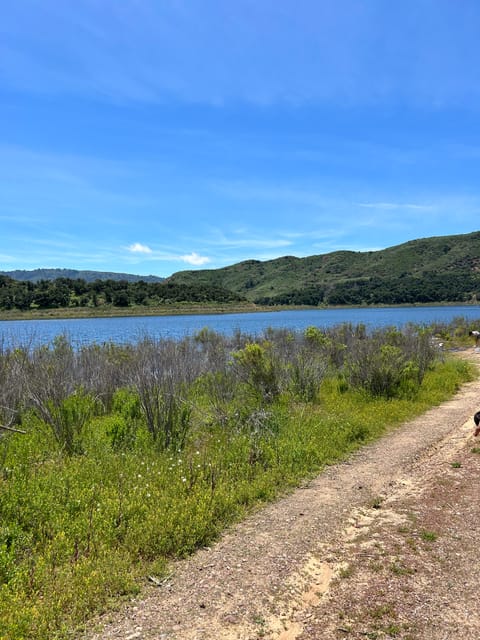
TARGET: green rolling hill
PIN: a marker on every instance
(436, 269)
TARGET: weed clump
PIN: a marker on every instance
(136, 454)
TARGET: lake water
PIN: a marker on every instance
(130, 329)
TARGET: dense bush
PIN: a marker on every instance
(66, 387)
(139, 453)
(65, 292)
(404, 289)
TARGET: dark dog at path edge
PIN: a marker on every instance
(476, 419)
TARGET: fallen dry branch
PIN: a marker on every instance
(7, 428)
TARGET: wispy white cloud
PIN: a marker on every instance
(149, 51)
(243, 237)
(254, 243)
(139, 252)
(389, 206)
(137, 247)
(243, 190)
(49, 187)
(329, 247)
(195, 259)
(315, 199)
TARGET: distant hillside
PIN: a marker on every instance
(89, 276)
(437, 269)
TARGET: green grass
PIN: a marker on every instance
(429, 536)
(78, 532)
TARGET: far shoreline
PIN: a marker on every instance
(80, 313)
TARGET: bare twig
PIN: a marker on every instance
(7, 428)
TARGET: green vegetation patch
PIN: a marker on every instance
(136, 455)
(66, 293)
(430, 270)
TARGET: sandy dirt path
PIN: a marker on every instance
(383, 545)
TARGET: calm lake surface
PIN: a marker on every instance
(130, 329)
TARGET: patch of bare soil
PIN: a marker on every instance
(383, 545)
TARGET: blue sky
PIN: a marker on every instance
(152, 136)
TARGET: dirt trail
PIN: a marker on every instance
(380, 546)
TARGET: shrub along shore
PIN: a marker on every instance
(183, 308)
(111, 311)
(125, 457)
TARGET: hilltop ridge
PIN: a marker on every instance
(441, 268)
(35, 275)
